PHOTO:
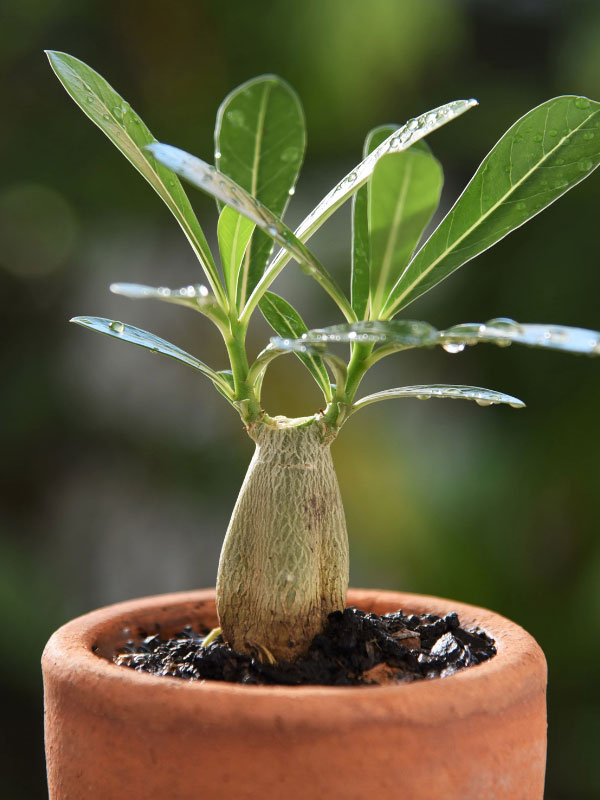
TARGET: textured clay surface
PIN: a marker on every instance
(480, 733)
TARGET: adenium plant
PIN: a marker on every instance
(284, 563)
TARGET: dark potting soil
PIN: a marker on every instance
(355, 648)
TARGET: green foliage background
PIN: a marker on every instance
(118, 471)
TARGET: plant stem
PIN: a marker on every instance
(245, 396)
(284, 563)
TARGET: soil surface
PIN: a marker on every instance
(355, 648)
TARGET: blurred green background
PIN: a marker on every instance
(119, 470)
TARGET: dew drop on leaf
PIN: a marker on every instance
(453, 347)
(582, 102)
(289, 154)
(116, 326)
(236, 117)
(538, 137)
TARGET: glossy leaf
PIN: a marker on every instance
(259, 143)
(503, 331)
(483, 397)
(395, 335)
(404, 193)
(209, 180)
(119, 122)
(361, 249)
(128, 333)
(407, 333)
(542, 156)
(196, 297)
(285, 320)
(234, 231)
(412, 131)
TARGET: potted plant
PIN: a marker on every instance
(284, 565)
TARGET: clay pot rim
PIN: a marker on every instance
(516, 666)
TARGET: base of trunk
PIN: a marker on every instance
(479, 733)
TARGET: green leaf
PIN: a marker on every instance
(115, 118)
(404, 193)
(206, 178)
(361, 250)
(196, 297)
(285, 320)
(483, 397)
(234, 231)
(409, 133)
(543, 155)
(128, 333)
(503, 331)
(260, 140)
(402, 334)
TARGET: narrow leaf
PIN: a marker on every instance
(543, 155)
(412, 131)
(196, 297)
(115, 118)
(209, 180)
(285, 320)
(483, 397)
(128, 333)
(407, 333)
(503, 331)
(302, 347)
(402, 334)
(361, 249)
(404, 193)
(259, 142)
(234, 231)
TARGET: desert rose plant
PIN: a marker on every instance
(284, 563)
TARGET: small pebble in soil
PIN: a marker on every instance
(356, 648)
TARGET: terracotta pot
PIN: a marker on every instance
(113, 733)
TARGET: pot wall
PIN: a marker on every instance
(110, 731)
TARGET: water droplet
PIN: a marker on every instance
(273, 230)
(89, 99)
(483, 401)
(116, 326)
(292, 191)
(582, 102)
(430, 119)
(412, 125)
(423, 397)
(352, 335)
(106, 116)
(552, 132)
(588, 135)
(290, 154)
(538, 137)
(585, 165)
(520, 206)
(217, 155)
(351, 178)
(453, 347)
(118, 113)
(162, 290)
(236, 117)
(137, 120)
(507, 168)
